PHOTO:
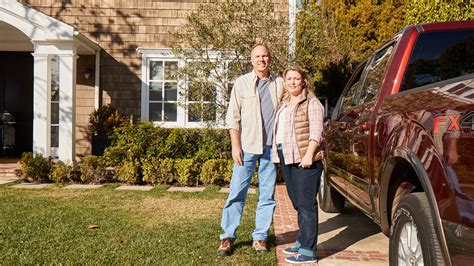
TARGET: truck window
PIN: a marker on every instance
(375, 75)
(349, 96)
(439, 55)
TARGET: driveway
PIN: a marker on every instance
(349, 238)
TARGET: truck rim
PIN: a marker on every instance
(409, 246)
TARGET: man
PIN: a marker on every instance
(250, 115)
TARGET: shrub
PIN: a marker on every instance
(216, 171)
(213, 144)
(186, 171)
(129, 172)
(104, 120)
(181, 143)
(158, 171)
(35, 167)
(130, 142)
(93, 169)
(61, 172)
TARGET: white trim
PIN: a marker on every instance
(34, 24)
(166, 54)
(42, 104)
(97, 81)
(67, 107)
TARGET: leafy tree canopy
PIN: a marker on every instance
(425, 11)
(335, 35)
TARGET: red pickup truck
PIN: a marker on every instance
(400, 144)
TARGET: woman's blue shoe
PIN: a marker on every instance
(290, 251)
(300, 259)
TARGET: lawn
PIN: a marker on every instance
(104, 226)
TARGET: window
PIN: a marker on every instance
(375, 75)
(163, 91)
(172, 100)
(201, 102)
(439, 55)
(348, 97)
(54, 104)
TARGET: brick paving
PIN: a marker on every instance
(350, 240)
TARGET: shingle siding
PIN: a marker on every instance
(119, 27)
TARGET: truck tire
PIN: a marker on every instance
(330, 200)
(413, 238)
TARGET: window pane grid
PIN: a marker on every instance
(163, 91)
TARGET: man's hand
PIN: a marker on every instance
(237, 155)
(236, 148)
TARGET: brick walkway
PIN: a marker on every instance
(362, 247)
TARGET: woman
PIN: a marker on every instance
(296, 145)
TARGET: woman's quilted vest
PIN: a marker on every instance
(301, 125)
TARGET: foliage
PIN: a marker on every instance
(61, 172)
(129, 172)
(103, 120)
(215, 171)
(130, 143)
(335, 35)
(213, 144)
(424, 11)
(158, 171)
(35, 167)
(93, 169)
(186, 171)
(146, 149)
(215, 43)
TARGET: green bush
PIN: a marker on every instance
(104, 120)
(35, 168)
(129, 172)
(93, 169)
(216, 171)
(152, 146)
(61, 172)
(213, 144)
(186, 171)
(158, 171)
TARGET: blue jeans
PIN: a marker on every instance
(303, 185)
(239, 185)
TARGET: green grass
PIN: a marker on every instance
(51, 226)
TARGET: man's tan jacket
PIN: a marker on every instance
(243, 113)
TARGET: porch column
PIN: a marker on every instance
(67, 107)
(41, 105)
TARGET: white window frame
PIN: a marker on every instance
(166, 54)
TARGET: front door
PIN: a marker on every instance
(16, 103)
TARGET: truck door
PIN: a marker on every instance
(359, 131)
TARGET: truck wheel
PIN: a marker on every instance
(330, 200)
(413, 238)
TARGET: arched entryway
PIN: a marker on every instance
(38, 70)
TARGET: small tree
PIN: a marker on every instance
(215, 44)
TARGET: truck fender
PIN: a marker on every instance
(403, 153)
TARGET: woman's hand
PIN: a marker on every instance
(306, 161)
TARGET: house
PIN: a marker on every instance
(59, 60)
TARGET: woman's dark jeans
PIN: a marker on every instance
(303, 185)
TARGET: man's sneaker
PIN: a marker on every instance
(260, 246)
(290, 251)
(226, 247)
(300, 259)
